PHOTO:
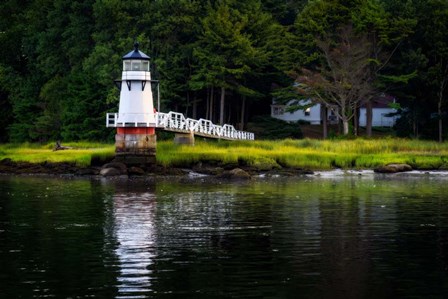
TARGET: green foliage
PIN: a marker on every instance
(266, 127)
(59, 58)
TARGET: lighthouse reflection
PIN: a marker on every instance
(134, 231)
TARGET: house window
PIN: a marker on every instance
(308, 111)
(278, 110)
(332, 117)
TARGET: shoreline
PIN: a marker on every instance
(233, 172)
(286, 157)
(112, 169)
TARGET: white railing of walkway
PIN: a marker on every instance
(176, 122)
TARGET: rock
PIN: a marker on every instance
(229, 166)
(174, 171)
(136, 171)
(236, 173)
(209, 170)
(98, 161)
(59, 168)
(393, 168)
(86, 171)
(121, 167)
(7, 162)
(289, 172)
(109, 172)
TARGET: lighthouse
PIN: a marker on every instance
(135, 140)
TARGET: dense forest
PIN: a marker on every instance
(220, 59)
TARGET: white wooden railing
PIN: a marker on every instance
(176, 122)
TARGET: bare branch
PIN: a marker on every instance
(343, 81)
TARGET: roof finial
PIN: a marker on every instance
(136, 46)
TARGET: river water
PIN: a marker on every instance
(327, 236)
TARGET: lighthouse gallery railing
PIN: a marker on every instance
(176, 122)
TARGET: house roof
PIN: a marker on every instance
(382, 101)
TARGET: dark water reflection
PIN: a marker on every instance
(297, 238)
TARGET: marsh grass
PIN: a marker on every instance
(308, 153)
(263, 155)
(81, 154)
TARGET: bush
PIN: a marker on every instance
(269, 128)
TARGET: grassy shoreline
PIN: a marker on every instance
(261, 155)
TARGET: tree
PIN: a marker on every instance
(425, 52)
(343, 80)
(316, 22)
(438, 56)
(284, 11)
(228, 50)
(385, 32)
(59, 58)
(173, 30)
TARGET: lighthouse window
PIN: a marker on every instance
(136, 66)
(145, 65)
(127, 66)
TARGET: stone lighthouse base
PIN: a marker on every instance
(135, 146)
(184, 138)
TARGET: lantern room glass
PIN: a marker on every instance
(145, 66)
(136, 65)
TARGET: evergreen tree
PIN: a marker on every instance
(174, 30)
(232, 49)
(423, 98)
(58, 59)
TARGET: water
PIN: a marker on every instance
(315, 237)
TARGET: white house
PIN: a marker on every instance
(380, 110)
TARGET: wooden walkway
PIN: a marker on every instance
(176, 122)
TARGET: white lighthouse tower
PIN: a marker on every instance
(135, 141)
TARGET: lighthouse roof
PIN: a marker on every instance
(136, 54)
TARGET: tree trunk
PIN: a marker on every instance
(369, 118)
(355, 120)
(59, 147)
(345, 120)
(207, 105)
(212, 96)
(415, 124)
(324, 117)
(188, 104)
(195, 108)
(228, 114)
(443, 85)
(243, 112)
(345, 126)
(439, 112)
(221, 108)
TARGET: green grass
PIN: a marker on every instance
(263, 155)
(308, 153)
(81, 154)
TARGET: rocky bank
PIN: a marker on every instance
(111, 169)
